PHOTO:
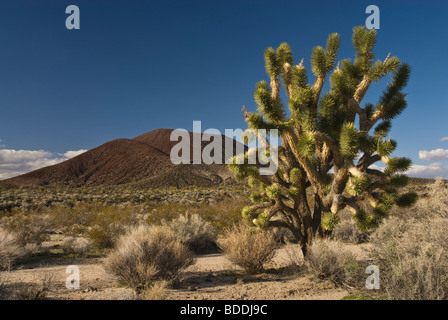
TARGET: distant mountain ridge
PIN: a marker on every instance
(143, 160)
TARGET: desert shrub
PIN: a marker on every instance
(36, 290)
(105, 235)
(346, 230)
(28, 228)
(412, 256)
(194, 232)
(107, 224)
(148, 254)
(326, 259)
(72, 245)
(9, 249)
(248, 247)
(436, 204)
(294, 256)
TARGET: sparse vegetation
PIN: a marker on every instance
(28, 228)
(410, 269)
(413, 262)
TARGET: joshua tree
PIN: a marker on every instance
(328, 142)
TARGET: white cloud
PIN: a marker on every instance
(438, 154)
(444, 139)
(17, 162)
(431, 171)
(72, 154)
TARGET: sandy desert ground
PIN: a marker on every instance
(211, 277)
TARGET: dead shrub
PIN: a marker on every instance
(148, 254)
(326, 259)
(79, 246)
(10, 250)
(248, 247)
(347, 231)
(36, 290)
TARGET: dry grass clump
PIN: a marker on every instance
(10, 249)
(157, 291)
(148, 254)
(412, 256)
(248, 247)
(327, 259)
(194, 232)
(73, 245)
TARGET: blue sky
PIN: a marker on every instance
(135, 66)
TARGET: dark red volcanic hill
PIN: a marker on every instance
(144, 161)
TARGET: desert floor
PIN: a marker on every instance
(211, 277)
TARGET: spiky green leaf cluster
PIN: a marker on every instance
(272, 109)
(246, 214)
(397, 164)
(293, 191)
(307, 146)
(399, 181)
(380, 69)
(323, 60)
(364, 41)
(330, 221)
(385, 148)
(263, 220)
(362, 220)
(272, 63)
(294, 176)
(273, 192)
(407, 200)
(382, 129)
(393, 101)
(357, 185)
(349, 141)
